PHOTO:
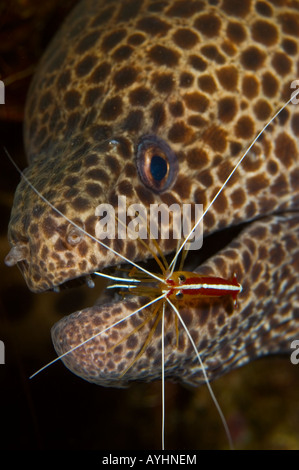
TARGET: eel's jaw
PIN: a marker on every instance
(99, 360)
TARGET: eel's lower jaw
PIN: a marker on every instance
(97, 360)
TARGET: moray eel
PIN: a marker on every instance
(191, 82)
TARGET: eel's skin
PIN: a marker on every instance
(202, 77)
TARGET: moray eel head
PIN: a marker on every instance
(156, 102)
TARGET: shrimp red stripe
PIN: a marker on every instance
(195, 285)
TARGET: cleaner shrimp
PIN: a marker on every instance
(178, 281)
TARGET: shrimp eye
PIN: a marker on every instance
(182, 278)
(156, 163)
(179, 295)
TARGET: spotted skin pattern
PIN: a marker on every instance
(205, 76)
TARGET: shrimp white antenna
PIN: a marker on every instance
(163, 377)
(75, 225)
(96, 335)
(205, 375)
(172, 264)
(115, 278)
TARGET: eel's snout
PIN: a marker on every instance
(20, 255)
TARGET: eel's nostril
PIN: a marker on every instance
(74, 236)
(17, 253)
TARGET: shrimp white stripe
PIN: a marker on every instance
(207, 286)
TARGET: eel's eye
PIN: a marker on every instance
(156, 163)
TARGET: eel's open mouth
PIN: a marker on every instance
(212, 245)
(105, 358)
